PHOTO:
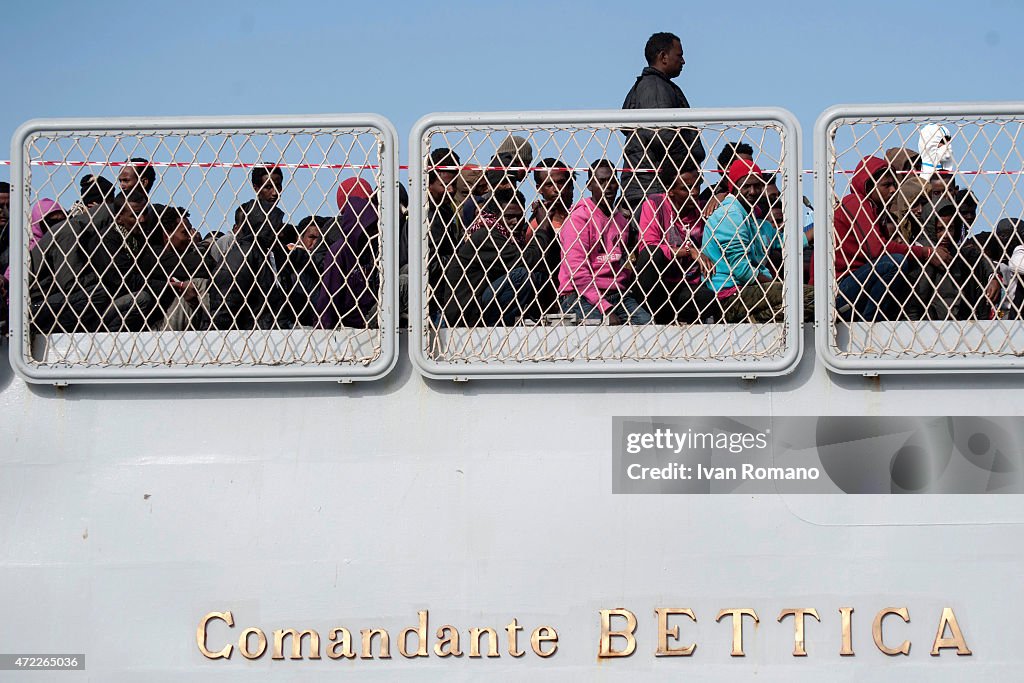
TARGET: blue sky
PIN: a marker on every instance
(406, 59)
(403, 60)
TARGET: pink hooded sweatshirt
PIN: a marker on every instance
(40, 210)
(593, 256)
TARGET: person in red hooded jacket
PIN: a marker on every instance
(869, 262)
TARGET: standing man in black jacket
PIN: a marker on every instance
(652, 148)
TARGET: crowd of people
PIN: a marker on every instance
(116, 261)
(908, 247)
(680, 254)
(647, 242)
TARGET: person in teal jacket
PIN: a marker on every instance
(737, 241)
(733, 243)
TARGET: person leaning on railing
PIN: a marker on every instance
(594, 276)
(871, 268)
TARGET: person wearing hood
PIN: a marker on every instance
(911, 185)
(868, 263)
(935, 147)
(246, 294)
(650, 148)
(735, 242)
(5, 220)
(497, 272)
(351, 277)
(46, 214)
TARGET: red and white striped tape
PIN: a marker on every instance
(403, 167)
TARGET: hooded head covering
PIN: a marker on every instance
(40, 210)
(740, 169)
(353, 187)
(898, 157)
(867, 169)
(934, 146)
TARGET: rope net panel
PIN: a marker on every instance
(925, 252)
(605, 244)
(202, 248)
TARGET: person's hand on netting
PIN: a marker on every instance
(682, 251)
(705, 264)
(538, 211)
(940, 256)
(187, 290)
(540, 214)
(692, 251)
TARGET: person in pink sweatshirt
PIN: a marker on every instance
(594, 275)
(669, 264)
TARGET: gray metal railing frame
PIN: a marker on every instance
(825, 288)
(20, 342)
(418, 150)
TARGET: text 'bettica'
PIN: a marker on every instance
(617, 636)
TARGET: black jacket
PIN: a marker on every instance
(445, 233)
(246, 294)
(650, 148)
(480, 260)
(86, 276)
